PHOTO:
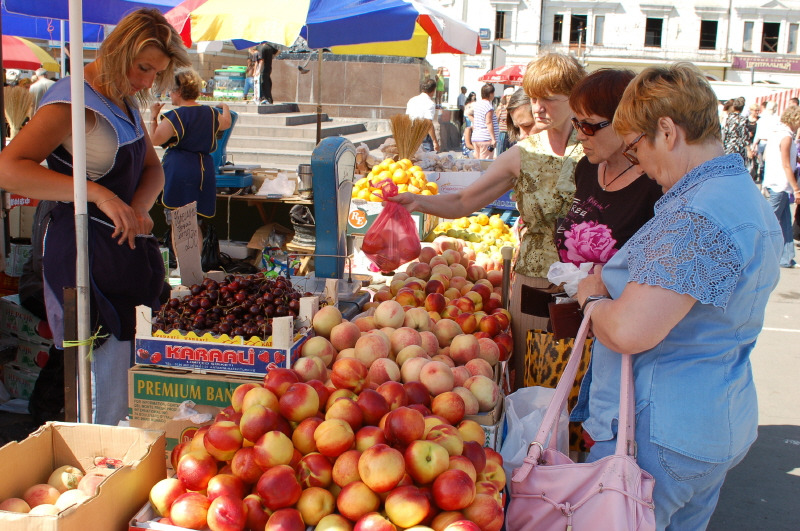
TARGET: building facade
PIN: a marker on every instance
(745, 46)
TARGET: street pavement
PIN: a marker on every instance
(763, 492)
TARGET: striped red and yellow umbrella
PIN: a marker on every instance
(22, 53)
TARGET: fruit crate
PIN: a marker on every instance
(221, 353)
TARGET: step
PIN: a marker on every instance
(297, 131)
(372, 139)
(268, 157)
(280, 119)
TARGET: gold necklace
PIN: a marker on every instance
(604, 186)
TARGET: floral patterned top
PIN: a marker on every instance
(544, 193)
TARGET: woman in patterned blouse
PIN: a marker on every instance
(540, 170)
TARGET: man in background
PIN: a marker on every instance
(41, 86)
(423, 106)
(767, 120)
(460, 102)
(266, 52)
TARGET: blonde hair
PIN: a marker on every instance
(188, 84)
(135, 32)
(679, 91)
(791, 117)
(552, 73)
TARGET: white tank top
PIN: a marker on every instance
(101, 148)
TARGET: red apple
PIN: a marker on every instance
(299, 402)
(394, 393)
(373, 522)
(404, 425)
(263, 396)
(278, 487)
(238, 395)
(257, 513)
(286, 519)
(417, 393)
(347, 410)
(222, 440)
(225, 485)
(303, 435)
(190, 511)
(474, 451)
(196, 469)
(453, 490)
(373, 406)
(244, 465)
(369, 436)
(279, 379)
(314, 470)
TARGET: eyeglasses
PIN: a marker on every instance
(587, 128)
(632, 158)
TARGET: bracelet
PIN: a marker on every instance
(106, 200)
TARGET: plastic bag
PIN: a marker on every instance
(525, 409)
(392, 240)
(569, 275)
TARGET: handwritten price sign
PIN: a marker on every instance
(186, 238)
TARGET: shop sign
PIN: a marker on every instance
(15, 200)
(485, 34)
(765, 64)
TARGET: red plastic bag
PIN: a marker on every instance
(392, 240)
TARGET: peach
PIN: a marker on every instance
(238, 395)
(287, 519)
(506, 345)
(438, 260)
(314, 504)
(371, 347)
(195, 470)
(227, 512)
(485, 390)
(345, 468)
(453, 490)
(265, 397)
(452, 256)
(190, 510)
(495, 277)
(472, 431)
(406, 298)
(458, 283)
(451, 311)
(333, 437)
(404, 337)
(383, 370)
(346, 409)
(448, 437)
(444, 357)
(346, 353)
(272, 449)
(334, 522)
(489, 351)
(257, 513)
(445, 330)
(471, 406)
(494, 473)
(374, 522)
(490, 325)
(91, 482)
(474, 452)
(411, 351)
(15, 505)
(418, 318)
(256, 421)
(389, 313)
(458, 270)
(373, 406)
(463, 348)
(325, 319)
(480, 366)
(404, 425)
(467, 322)
(69, 498)
(299, 402)
(436, 377)
(277, 381)
(381, 467)
(314, 470)
(411, 369)
(485, 512)
(446, 518)
(356, 499)
(323, 348)
(460, 375)
(336, 394)
(349, 373)
(365, 324)
(244, 466)
(407, 506)
(44, 509)
(310, 368)
(417, 393)
(344, 335)
(369, 436)
(278, 487)
(426, 254)
(475, 273)
(394, 393)
(462, 462)
(425, 460)
(164, 493)
(65, 478)
(429, 342)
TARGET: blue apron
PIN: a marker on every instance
(120, 277)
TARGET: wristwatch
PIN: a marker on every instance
(592, 298)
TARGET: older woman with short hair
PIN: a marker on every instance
(686, 297)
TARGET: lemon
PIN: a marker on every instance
(405, 163)
(474, 227)
(362, 194)
(433, 187)
(425, 192)
(482, 219)
(402, 188)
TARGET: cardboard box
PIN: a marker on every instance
(20, 222)
(455, 181)
(154, 396)
(18, 322)
(19, 381)
(492, 423)
(20, 253)
(221, 354)
(364, 213)
(81, 445)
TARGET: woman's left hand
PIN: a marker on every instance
(592, 285)
(124, 218)
(144, 221)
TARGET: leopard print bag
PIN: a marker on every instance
(545, 359)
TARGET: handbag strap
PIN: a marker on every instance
(626, 429)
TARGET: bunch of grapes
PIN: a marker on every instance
(237, 306)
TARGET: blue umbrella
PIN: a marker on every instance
(94, 11)
(44, 28)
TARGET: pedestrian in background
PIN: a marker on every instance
(41, 86)
(423, 106)
(266, 52)
(439, 87)
(734, 132)
(249, 73)
(460, 103)
(502, 121)
(485, 130)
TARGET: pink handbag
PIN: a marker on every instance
(551, 492)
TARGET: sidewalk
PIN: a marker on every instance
(763, 492)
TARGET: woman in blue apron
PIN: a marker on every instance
(189, 132)
(124, 178)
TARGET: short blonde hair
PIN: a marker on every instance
(552, 73)
(135, 32)
(188, 84)
(678, 91)
(791, 117)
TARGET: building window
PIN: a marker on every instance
(792, 46)
(708, 34)
(652, 32)
(599, 24)
(502, 25)
(558, 24)
(747, 40)
(577, 29)
(769, 40)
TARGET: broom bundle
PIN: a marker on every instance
(409, 133)
(18, 103)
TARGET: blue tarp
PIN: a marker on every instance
(94, 11)
(343, 22)
(44, 28)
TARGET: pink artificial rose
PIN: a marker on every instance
(588, 242)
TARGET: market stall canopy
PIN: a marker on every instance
(324, 24)
(22, 53)
(506, 75)
(94, 11)
(44, 28)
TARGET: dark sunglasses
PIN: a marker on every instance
(587, 128)
(626, 152)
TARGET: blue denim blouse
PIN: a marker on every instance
(713, 237)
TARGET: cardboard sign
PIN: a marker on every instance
(186, 240)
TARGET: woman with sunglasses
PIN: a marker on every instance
(540, 170)
(686, 297)
(613, 198)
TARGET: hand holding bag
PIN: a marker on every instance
(550, 492)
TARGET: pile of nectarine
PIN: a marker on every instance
(66, 486)
(333, 443)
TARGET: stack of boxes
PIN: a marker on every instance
(31, 338)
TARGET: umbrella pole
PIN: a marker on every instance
(63, 48)
(81, 212)
(318, 90)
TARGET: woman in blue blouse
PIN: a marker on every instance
(686, 295)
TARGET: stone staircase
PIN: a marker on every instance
(280, 137)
